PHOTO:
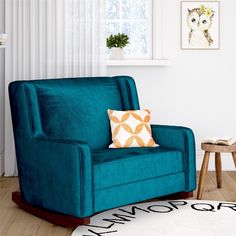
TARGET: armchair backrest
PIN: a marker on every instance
(73, 108)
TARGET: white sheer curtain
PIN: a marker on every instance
(49, 39)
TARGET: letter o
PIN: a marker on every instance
(168, 209)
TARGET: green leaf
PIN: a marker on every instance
(117, 41)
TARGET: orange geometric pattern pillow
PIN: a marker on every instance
(131, 129)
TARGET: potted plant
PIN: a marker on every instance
(116, 43)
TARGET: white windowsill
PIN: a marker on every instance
(2, 46)
(126, 62)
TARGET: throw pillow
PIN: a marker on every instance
(131, 129)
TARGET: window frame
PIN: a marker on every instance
(157, 42)
(121, 21)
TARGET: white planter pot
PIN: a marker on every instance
(117, 54)
(3, 39)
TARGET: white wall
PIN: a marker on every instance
(1, 88)
(198, 89)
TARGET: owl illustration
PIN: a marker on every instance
(199, 21)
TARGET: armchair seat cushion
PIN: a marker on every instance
(113, 167)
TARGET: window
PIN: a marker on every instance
(134, 18)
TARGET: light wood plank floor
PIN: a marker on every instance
(15, 222)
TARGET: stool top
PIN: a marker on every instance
(218, 148)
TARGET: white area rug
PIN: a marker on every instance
(165, 218)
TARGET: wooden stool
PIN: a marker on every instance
(217, 149)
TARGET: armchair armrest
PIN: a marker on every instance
(62, 170)
(182, 139)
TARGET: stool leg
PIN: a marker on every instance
(218, 169)
(202, 175)
(234, 157)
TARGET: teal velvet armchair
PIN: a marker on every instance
(62, 134)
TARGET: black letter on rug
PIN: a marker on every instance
(169, 208)
(133, 210)
(177, 203)
(99, 234)
(203, 208)
(102, 227)
(120, 219)
(227, 204)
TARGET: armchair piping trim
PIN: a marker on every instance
(29, 111)
(81, 185)
(186, 163)
(129, 94)
(39, 108)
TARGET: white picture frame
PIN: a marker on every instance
(200, 25)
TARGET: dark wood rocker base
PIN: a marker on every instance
(71, 221)
(55, 218)
(175, 196)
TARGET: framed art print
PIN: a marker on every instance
(200, 24)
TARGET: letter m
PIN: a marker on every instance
(120, 219)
